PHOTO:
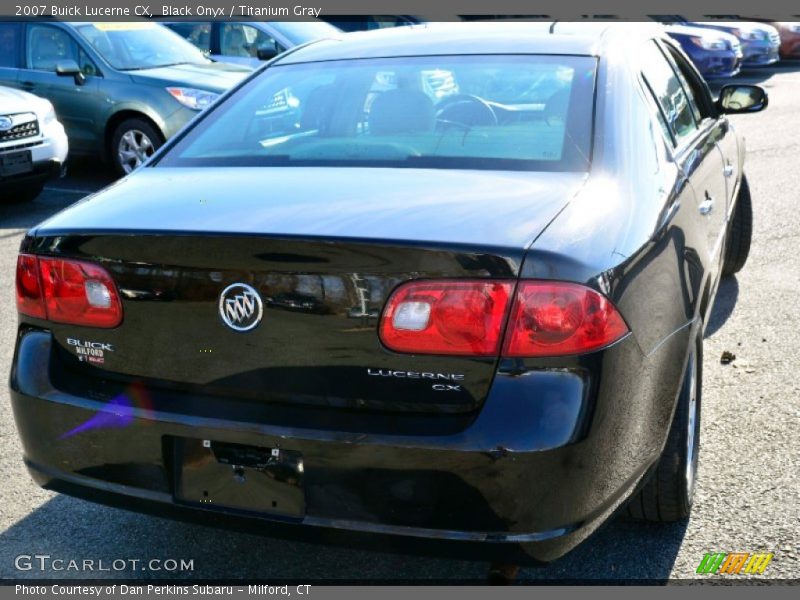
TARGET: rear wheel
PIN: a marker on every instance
(134, 141)
(668, 495)
(737, 246)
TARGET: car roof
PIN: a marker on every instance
(491, 37)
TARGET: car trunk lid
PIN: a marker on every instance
(323, 264)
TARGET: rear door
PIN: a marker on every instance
(695, 142)
(77, 105)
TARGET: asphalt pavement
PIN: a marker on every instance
(748, 497)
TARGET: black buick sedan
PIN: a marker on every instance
(440, 282)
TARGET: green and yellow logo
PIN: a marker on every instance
(734, 563)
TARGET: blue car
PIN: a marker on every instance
(760, 42)
(716, 54)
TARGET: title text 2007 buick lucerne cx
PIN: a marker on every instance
(444, 282)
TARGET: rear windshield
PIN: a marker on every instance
(528, 112)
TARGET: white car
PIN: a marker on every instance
(33, 145)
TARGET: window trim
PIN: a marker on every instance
(648, 90)
(707, 123)
(695, 80)
(679, 145)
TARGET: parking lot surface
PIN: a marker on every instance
(747, 500)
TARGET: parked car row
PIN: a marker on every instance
(720, 49)
(122, 89)
(119, 89)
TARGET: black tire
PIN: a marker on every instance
(133, 133)
(22, 194)
(737, 246)
(668, 495)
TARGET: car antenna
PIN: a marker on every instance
(553, 26)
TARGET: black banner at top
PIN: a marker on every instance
(442, 10)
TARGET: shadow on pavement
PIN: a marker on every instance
(724, 304)
(71, 529)
(760, 74)
(83, 178)
(755, 75)
(85, 174)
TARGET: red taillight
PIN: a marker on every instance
(556, 318)
(446, 317)
(29, 289)
(67, 291)
(466, 318)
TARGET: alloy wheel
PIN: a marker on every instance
(135, 147)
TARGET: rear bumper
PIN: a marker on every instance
(42, 172)
(48, 155)
(548, 459)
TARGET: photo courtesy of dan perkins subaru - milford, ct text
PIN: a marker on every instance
(158, 590)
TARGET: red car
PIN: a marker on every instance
(790, 38)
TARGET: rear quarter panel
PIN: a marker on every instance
(632, 232)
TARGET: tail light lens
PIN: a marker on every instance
(556, 318)
(446, 317)
(29, 287)
(466, 318)
(67, 291)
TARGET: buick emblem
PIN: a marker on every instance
(240, 307)
(6, 123)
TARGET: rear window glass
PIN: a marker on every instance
(494, 112)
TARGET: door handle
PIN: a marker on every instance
(728, 170)
(27, 85)
(707, 205)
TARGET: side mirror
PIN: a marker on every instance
(70, 67)
(267, 51)
(742, 98)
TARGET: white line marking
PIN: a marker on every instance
(69, 191)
